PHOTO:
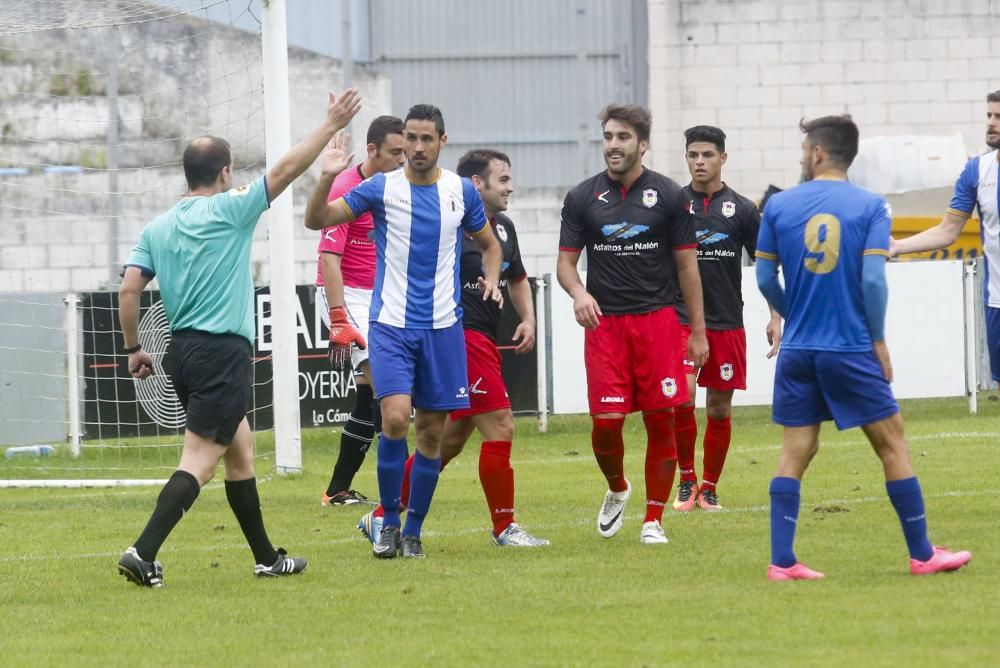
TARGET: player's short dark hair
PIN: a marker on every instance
(204, 158)
(708, 134)
(426, 112)
(477, 162)
(631, 114)
(994, 96)
(382, 126)
(838, 135)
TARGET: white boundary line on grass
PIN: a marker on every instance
(470, 531)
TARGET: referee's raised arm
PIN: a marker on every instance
(339, 112)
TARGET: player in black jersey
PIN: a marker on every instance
(726, 224)
(489, 408)
(638, 229)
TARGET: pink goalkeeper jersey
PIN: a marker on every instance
(351, 241)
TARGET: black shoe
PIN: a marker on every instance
(284, 565)
(410, 548)
(143, 573)
(345, 498)
(387, 545)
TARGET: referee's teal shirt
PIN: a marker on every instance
(200, 252)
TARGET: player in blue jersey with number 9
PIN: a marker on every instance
(831, 239)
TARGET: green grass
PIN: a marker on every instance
(701, 600)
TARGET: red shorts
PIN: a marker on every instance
(487, 391)
(633, 363)
(726, 366)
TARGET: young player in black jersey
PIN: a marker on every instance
(489, 408)
(638, 229)
(726, 224)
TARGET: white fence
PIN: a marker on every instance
(925, 328)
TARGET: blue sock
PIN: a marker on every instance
(784, 518)
(391, 461)
(909, 504)
(423, 480)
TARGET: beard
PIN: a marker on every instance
(627, 163)
(994, 142)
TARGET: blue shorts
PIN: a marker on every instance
(427, 364)
(813, 386)
(993, 340)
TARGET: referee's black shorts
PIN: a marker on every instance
(213, 377)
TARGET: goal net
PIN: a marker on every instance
(98, 99)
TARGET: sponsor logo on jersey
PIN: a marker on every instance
(474, 388)
(708, 237)
(622, 230)
(501, 232)
(360, 242)
(669, 387)
(729, 209)
(612, 400)
(726, 371)
(649, 198)
(600, 196)
(462, 393)
(239, 192)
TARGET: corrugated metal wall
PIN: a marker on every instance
(526, 77)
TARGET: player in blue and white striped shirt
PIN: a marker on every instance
(417, 343)
(977, 186)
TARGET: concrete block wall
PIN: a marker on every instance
(755, 67)
(54, 228)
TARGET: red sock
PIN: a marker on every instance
(609, 450)
(404, 496)
(661, 459)
(686, 433)
(717, 436)
(497, 478)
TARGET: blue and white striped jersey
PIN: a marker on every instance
(418, 237)
(977, 186)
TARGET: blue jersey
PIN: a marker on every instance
(418, 237)
(979, 187)
(819, 231)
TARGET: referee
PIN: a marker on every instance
(200, 252)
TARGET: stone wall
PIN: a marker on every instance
(755, 67)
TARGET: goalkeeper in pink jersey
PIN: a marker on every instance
(344, 281)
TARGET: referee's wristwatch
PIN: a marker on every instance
(134, 349)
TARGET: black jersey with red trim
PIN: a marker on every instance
(630, 237)
(725, 224)
(484, 316)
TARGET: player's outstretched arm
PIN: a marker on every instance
(321, 213)
(140, 364)
(941, 235)
(585, 307)
(339, 112)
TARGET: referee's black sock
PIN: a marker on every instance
(175, 499)
(354, 442)
(243, 499)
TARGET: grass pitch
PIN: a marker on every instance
(701, 600)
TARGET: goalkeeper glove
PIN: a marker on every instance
(342, 335)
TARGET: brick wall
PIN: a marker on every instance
(755, 68)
